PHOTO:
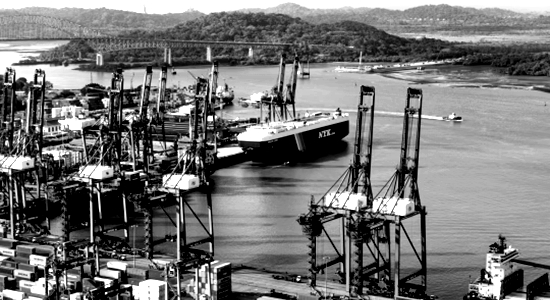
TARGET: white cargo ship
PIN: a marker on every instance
(283, 135)
(271, 140)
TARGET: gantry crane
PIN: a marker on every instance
(25, 174)
(158, 119)
(275, 105)
(366, 220)
(8, 121)
(193, 173)
(344, 199)
(105, 167)
(398, 201)
(21, 157)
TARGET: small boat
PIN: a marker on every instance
(225, 94)
(57, 138)
(249, 102)
(174, 71)
(302, 71)
(452, 118)
(359, 69)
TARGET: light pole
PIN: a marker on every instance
(326, 258)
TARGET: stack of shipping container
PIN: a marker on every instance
(22, 269)
(24, 266)
(214, 282)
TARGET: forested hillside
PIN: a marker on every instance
(427, 14)
(338, 41)
(345, 39)
(110, 20)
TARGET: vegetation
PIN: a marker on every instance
(327, 42)
(525, 59)
(326, 34)
(114, 21)
(110, 21)
(421, 19)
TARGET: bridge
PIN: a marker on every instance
(36, 27)
(108, 44)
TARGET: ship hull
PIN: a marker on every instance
(292, 146)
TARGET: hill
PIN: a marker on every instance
(343, 37)
(341, 41)
(113, 21)
(110, 20)
(428, 14)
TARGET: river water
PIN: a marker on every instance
(485, 176)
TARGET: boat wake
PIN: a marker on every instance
(382, 113)
(400, 114)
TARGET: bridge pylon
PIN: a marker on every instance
(168, 56)
(209, 53)
(250, 52)
(99, 59)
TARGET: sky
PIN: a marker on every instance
(171, 6)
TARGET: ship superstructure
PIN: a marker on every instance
(502, 278)
(500, 275)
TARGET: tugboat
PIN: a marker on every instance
(225, 94)
(452, 118)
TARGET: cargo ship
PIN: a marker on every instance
(502, 277)
(268, 141)
(282, 135)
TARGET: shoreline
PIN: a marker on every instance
(398, 74)
(464, 84)
(128, 66)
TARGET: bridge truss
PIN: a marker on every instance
(107, 44)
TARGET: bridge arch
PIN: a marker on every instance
(34, 27)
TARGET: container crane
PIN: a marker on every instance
(101, 175)
(8, 115)
(397, 201)
(366, 220)
(158, 119)
(192, 173)
(21, 164)
(345, 201)
(277, 101)
(20, 160)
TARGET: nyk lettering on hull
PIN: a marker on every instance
(325, 133)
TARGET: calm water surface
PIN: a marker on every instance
(485, 176)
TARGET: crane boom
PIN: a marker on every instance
(145, 91)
